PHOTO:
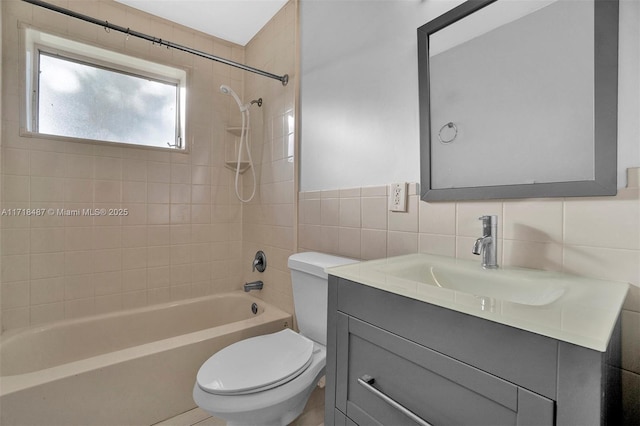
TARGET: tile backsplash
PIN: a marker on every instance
(595, 237)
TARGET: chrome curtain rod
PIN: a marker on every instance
(129, 32)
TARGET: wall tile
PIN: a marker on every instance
(373, 244)
(108, 168)
(603, 263)
(15, 241)
(106, 263)
(134, 192)
(15, 161)
(107, 191)
(604, 222)
(47, 290)
(46, 265)
(107, 260)
(44, 189)
(79, 308)
(45, 240)
(49, 312)
(158, 193)
(48, 164)
(134, 169)
(158, 172)
(79, 287)
(134, 236)
(349, 242)
(374, 212)
(78, 190)
(15, 318)
(78, 262)
(15, 268)
(15, 294)
(180, 193)
(399, 243)
(539, 220)
(532, 254)
(79, 166)
(442, 245)
(134, 279)
(330, 211)
(350, 212)
(437, 218)
(158, 214)
(374, 191)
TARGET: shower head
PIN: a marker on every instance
(229, 91)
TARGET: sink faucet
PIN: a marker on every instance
(255, 285)
(488, 243)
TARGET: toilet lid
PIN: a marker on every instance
(256, 364)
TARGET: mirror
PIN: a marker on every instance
(519, 99)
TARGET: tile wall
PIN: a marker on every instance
(269, 221)
(593, 237)
(183, 235)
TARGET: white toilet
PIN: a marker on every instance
(267, 380)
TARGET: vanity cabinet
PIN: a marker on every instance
(390, 357)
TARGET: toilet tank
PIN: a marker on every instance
(309, 283)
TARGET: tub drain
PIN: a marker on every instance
(254, 308)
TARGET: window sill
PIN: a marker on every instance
(34, 135)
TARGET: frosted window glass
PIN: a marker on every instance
(85, 101)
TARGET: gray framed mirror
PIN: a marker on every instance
(519, 99)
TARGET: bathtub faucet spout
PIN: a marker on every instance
(255, 285)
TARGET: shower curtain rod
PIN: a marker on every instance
(129, 32)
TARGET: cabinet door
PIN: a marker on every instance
(413, 384)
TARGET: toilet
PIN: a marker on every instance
(267, 380)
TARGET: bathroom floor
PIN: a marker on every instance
(313, 415)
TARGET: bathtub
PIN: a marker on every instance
(133, 367)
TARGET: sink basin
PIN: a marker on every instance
(523, 286)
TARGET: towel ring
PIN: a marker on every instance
(449, 125)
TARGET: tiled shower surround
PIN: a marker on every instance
(593, 237)
(183, 236)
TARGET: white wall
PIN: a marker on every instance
(359, 91)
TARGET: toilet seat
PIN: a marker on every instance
(256, 364)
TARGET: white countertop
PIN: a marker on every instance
(584, 314)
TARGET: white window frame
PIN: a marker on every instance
(36, 41)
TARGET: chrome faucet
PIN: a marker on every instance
(488, 243)
(255, 285)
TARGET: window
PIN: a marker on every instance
(84, 92)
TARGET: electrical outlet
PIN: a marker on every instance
(398, 197)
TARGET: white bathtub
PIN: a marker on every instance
(134, 367)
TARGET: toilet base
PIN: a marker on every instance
(280, 414)
(277, 406)
(283, 420)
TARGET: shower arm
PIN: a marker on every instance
(284, 79)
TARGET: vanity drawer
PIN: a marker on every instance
(436, 388)
(514, 355)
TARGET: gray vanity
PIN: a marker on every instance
(403, 350)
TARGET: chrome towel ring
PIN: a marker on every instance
(449, 125)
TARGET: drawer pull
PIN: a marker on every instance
(367, 382)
